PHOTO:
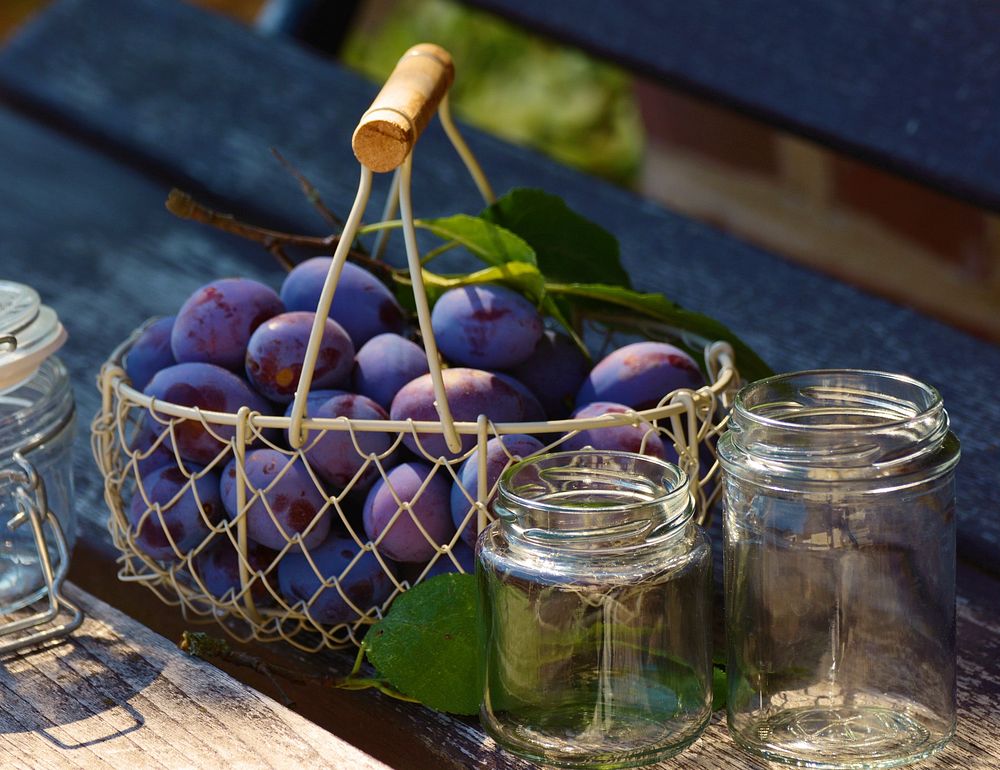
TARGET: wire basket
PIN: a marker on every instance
(338, 595)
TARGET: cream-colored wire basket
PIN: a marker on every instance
(255, 608)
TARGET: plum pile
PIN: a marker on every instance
(333, 528)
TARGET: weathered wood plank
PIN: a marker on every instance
(74, 219)
(907, 84)
(136, 88)
(438, 740)
(117, 695)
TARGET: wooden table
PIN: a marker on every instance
(117, 695)
(105, 104)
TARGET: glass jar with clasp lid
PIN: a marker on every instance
(840, 569)
(37, 421)
(595, 589)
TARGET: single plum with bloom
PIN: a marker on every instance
(485, 326)
(292, 497)
(210, 388)
(215, 323)
(640, 375)
(175, 507)
(362, 304)
(277, 350)
(402, 539)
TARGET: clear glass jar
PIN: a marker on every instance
(595, 604)
(37, 420)
(840, 569)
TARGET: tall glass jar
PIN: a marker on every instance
(840, 569)
(595, 589)
(37, 424)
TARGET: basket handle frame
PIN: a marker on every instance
(384, 141)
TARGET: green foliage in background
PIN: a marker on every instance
(527, 90)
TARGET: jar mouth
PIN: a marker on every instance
(825, 422)
(533, 482)
(842, 400)
(593, 500)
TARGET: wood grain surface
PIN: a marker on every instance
(179, 97)
(906, 84)
(101, 118)
(117, 695)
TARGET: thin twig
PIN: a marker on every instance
(206, 647)
(279, 254)
(182, 205)
(437, 252)
(311, 193)
(203, 646)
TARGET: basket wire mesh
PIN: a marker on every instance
(133, 431)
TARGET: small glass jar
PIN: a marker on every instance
(840, 569)
(595, 603)
(37, 422)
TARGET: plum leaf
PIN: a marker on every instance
(520, 276)
(488, 241)
(568, 246)
(427, 645)
(595, 298)
(720, 688)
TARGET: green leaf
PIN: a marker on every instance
(720, 688)
(597, 297)
(522, 276)
(427, 646)
(568, 247)
(490, 242)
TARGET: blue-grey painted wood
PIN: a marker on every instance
(911, 85)
(195, 98)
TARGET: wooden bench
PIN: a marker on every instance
(105, 104)
(117, 695)
(907, 86)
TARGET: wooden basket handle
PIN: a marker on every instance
(403, 108)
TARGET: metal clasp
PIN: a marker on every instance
(33, 510)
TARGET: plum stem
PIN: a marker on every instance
(311, 193)
(208, 647)
(183, 205)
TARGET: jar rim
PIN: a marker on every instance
(677, 488)
(933, 402)
(45, 405)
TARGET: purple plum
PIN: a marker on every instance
(362, 304)
(485, 326)
(402, 540)
(215, 323)
(640, 375)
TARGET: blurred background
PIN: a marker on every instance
(796, 198)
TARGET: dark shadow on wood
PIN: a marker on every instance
(64, 683)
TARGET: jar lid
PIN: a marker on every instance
(30, 332)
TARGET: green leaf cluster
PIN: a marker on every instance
(569, 266)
